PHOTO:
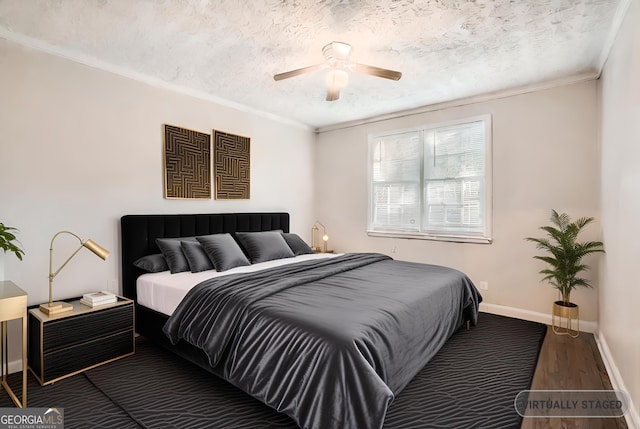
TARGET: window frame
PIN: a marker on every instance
(484, 237)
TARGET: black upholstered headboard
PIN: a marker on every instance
(139, 233)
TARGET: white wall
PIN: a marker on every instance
(81, 147)
(545, 155)
(620, 184)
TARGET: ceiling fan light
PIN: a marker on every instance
(342, 50)
(337, 52)
(337, 78)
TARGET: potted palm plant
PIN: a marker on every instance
(565, 254)
(9, 242)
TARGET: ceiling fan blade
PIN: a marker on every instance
(333, 94)
(297, 72)
(377, 71)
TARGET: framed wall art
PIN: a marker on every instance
(187, 163)
(231, 160)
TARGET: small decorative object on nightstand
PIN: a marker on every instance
(96, 299)
(51, 307)
(61, 345)
(315, 239)
(13, 305)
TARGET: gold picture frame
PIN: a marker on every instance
(187, 164)
(232, 166)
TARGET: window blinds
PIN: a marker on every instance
(430, 181)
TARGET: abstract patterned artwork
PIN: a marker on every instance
(231, 166)
(187, 161)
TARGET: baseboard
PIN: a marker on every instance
(632, 417)
(533, 316)
(15, 366)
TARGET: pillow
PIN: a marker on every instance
(223, 251)
(170, 248)
(264, 246)
(297, 244)
(152, 263)
(196, 256)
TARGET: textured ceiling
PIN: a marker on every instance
(230, 49)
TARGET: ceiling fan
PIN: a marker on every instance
(336, 55)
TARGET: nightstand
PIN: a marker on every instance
(13, 305)
(65, 344)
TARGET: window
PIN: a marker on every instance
(433, 182)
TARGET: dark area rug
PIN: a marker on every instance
(470, 383)
(84, 405)
(473, 380)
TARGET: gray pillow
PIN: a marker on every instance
(172, 252)
(264, 246)
(223, 251)
(297, 244)
(196, 256)
(152, 263)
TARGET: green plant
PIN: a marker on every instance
(8, 241)
(566, 253)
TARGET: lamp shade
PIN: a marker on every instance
(97, 249)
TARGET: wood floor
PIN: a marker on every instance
(571, 363)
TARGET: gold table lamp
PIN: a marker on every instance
(315, 241)
(61, 307)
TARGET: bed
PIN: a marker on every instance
(329, 340)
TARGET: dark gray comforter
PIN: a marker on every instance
(327, 342)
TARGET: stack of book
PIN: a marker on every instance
(94, 299)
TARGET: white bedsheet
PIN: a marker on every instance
(163, 291)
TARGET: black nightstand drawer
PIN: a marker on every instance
(86, 327)
(64, 344)
(82, 356)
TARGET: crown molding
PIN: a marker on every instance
(618, 18)
(512, 92)
(92, 62)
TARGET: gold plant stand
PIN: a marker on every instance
(564, 318)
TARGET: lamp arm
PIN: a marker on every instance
(53, 274)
